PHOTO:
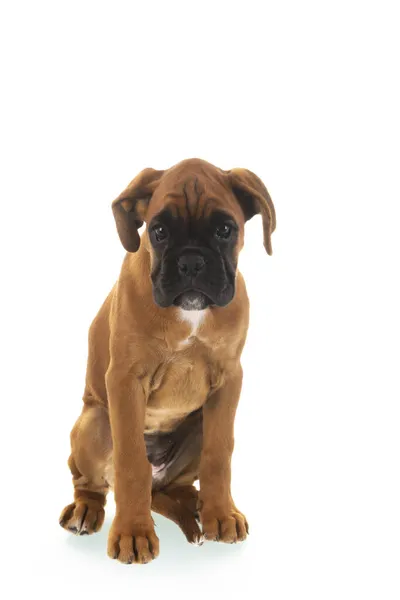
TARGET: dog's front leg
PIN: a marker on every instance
(221, 520)
(132, 537)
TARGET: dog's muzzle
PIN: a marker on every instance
(192, 279)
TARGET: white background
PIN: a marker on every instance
(306, 95)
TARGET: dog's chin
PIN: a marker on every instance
(192, 300)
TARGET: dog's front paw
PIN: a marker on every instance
(224, 526)
(135, 544)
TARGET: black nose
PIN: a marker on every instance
(190, 264)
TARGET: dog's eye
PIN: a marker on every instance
(223, 232)
(160, 233)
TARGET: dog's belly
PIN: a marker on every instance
(177, 453)
(181, 387)
(171, 455)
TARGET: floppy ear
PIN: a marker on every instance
(254, 199)
(131, 206)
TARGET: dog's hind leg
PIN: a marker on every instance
(91, 449)
(167, 506)
(187, 495)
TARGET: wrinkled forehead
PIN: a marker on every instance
(194, 195)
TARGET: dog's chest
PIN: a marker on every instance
(180, 386)
(183, 380)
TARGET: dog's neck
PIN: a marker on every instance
(195, 318)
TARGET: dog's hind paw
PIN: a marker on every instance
(82, 518)
(192, 531)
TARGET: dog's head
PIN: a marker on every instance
(195, 215)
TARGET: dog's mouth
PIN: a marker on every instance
(192, 300)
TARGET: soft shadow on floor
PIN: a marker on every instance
(174, 549)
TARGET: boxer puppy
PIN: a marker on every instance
(164, 375)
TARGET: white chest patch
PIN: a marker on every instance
(195, 319)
